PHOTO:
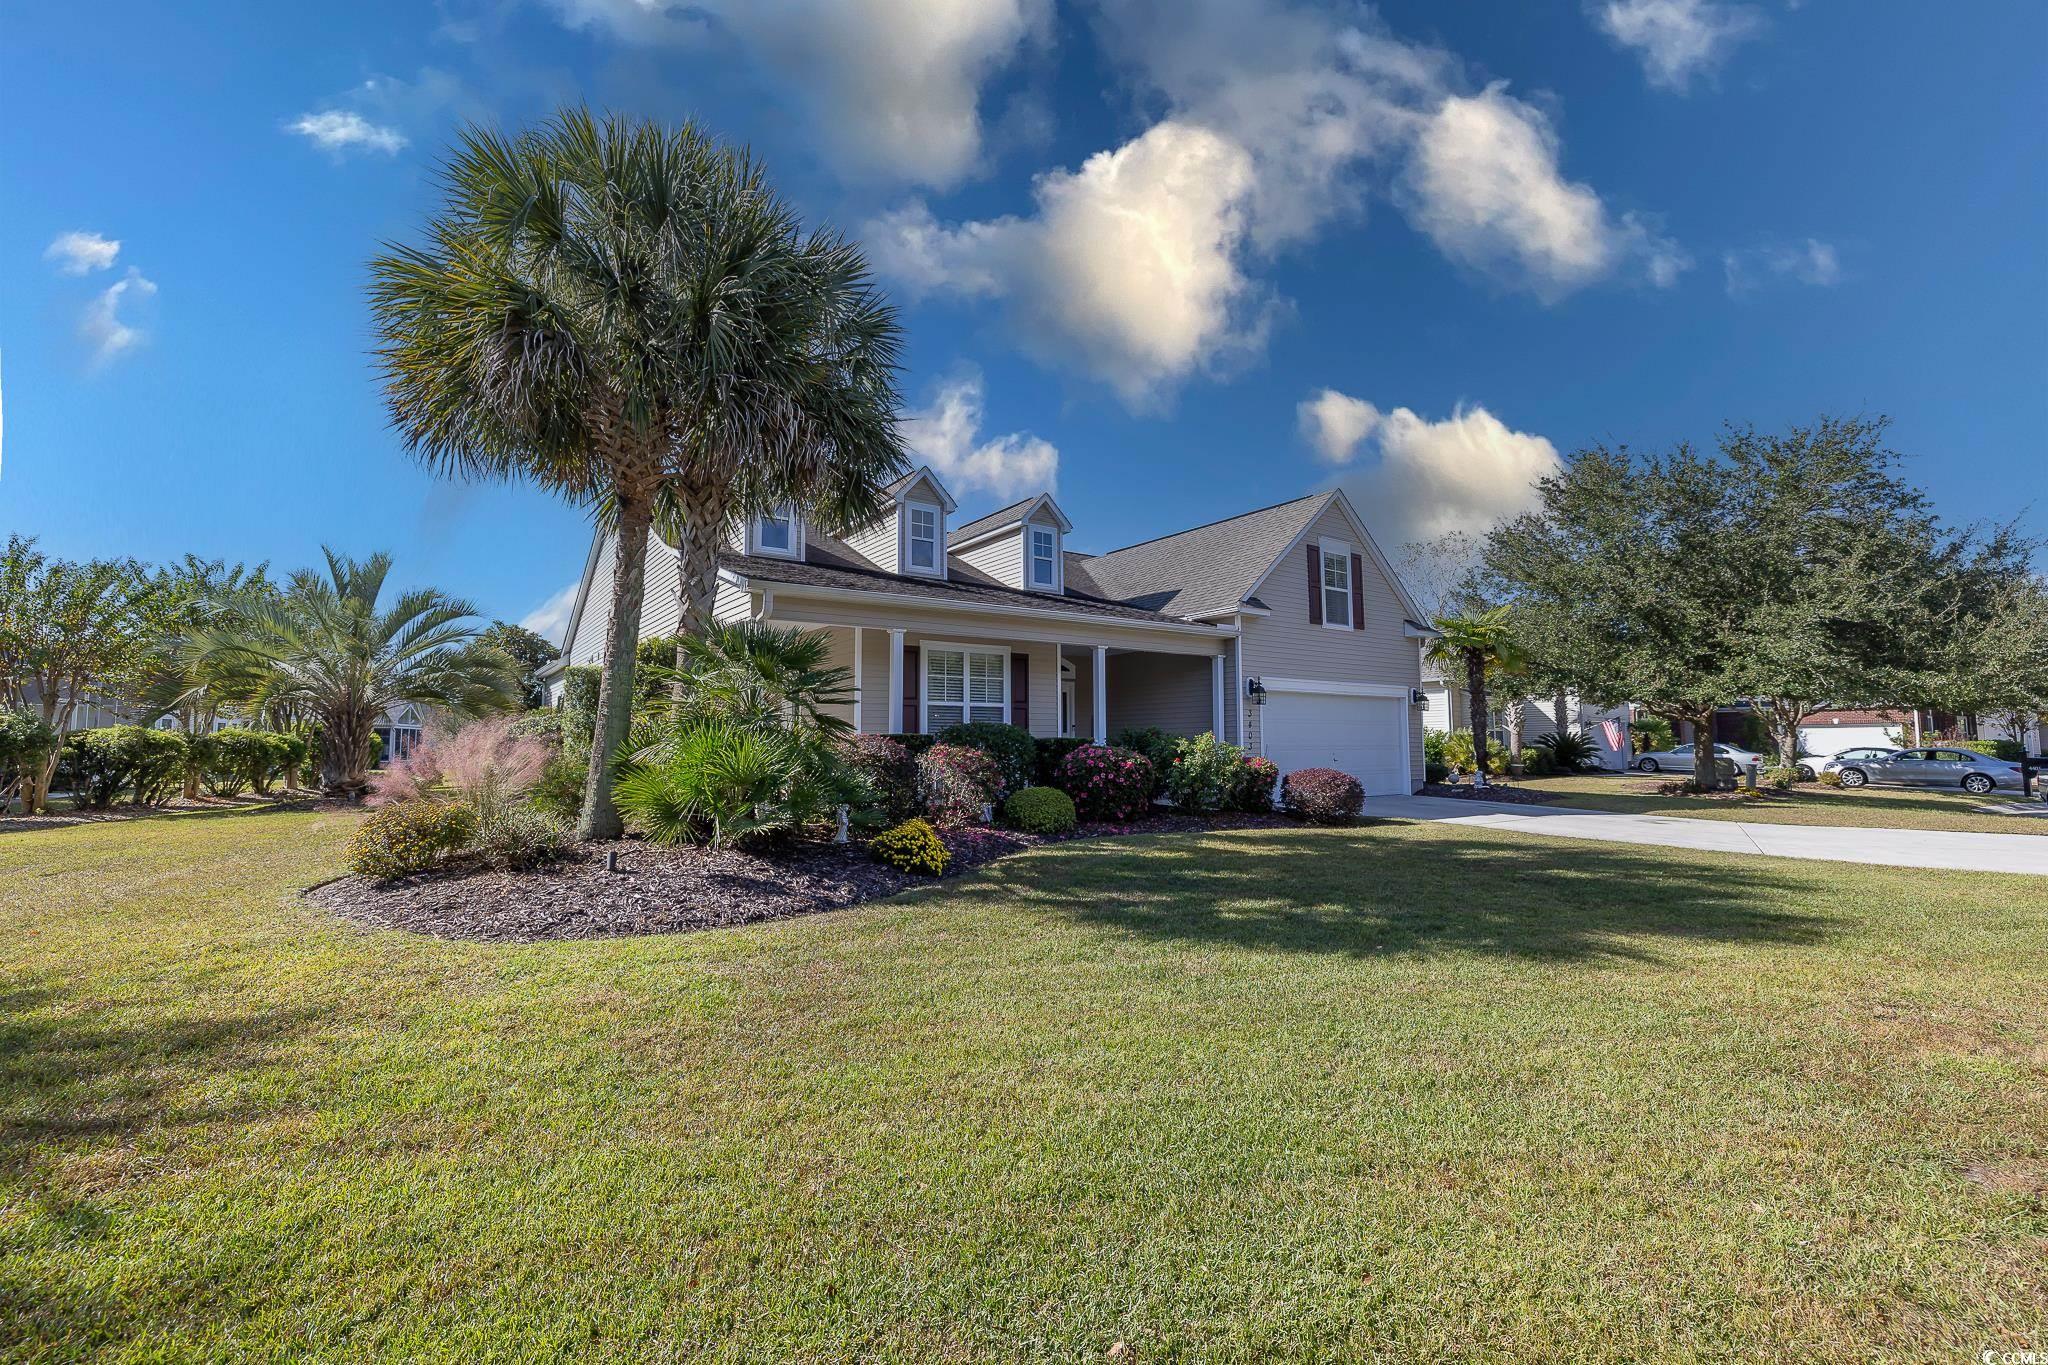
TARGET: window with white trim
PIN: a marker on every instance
(921, 536)
(775, 532)
(1045, 552)
(962, 685)
(1337, 584)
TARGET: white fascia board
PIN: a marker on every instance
(800, 591)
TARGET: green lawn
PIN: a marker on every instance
(1879, 807)
(1405, 1091)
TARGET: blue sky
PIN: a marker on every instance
(1182, 259)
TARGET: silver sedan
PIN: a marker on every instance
(1975, 773)
(1679, 760)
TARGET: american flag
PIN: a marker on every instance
(1612, 730)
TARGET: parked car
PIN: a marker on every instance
(1679, 760)
(1977, 774)
(1834, 763)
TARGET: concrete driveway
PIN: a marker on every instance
(1832, 843)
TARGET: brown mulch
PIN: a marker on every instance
(677, 890)
(1503, 792)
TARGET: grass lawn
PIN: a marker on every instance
(1878, 807)
(1405, 1091)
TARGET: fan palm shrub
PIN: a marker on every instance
(629, 316)
(330, 648)
(715, 781)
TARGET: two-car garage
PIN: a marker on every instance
(1305, 726)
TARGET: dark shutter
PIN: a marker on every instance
(1357, 593)
(912, 672)
(1315, 585)
(1020, 688)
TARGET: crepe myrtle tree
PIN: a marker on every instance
(331, 648)
(626, 314)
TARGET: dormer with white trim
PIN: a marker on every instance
(777, 534)
(910, 537)
(1020, 546)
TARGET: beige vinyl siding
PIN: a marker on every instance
(661, 608)
(731, 604)
(1001, 559)
(1172, 692)
(877, 544)
(1287, 644)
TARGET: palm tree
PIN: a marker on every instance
(327, 648)
(1480, 642)
(765, 676)
(629, 316)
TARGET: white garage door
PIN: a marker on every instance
(1364, 736)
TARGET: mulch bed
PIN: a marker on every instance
(677, 890)
(1501, 792)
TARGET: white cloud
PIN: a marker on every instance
(1677, 38)
(947, 436)
(1127, 272)
(1141, 267)
(1812, 262)
(895, 86)
(550, 619)
(81, 253)
(1463, 473)
(1485, 185)
(344, 130)
(102, 325)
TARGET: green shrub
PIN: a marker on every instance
(1567, 752)
(1433, 747)
(105, 762)
(579, 700)
(409, 837)
(1830, 778)
(558, 793)
(717, 782)
(1458, 754)
(1652, 734)
(887, 771)
(288, 755)
(1322, 796)
(1051, 753)
(2011, 750)
(1158, 749)
(517, 836)
(1778, 778)
(233, 760)
(954, 783)
(1536, 763)
(1107, 784)
(1040, 810)
(1203, 774)
(1256, 779)
(1014, 750)
(913, 846)
(1436, 772)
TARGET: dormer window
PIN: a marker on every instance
(1045, 556)
(778, 533)
(921, 538)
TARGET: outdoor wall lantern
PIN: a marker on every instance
(1256, 690)
(1417, 697)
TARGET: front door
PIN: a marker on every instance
(1067, 708)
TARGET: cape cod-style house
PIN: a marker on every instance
(1283, 629)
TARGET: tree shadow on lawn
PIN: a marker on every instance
(117, 815)
(1354, 892)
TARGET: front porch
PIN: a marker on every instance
(1085, 683)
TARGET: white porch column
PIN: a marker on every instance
(1098, 692)
(857, 726)
(895, 680)
(1216, 697)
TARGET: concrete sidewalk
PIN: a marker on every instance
(1832, 843)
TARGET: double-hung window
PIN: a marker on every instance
(1337, 585)
(963, 684)
(922, 535)
(1044, 557)
(775, 533)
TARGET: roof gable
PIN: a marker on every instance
(1365, 537)
(1038, 507)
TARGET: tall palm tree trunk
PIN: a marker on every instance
(1475, 688)
(705, 509)
(600, 817)
(345, 750)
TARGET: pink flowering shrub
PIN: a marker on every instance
(486, 762)
(1106, 784)
(1322, 796)
(955, 783)
(1254, 785)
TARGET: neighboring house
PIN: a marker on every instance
(1284, 629)
(400, 727)
(1447, 707)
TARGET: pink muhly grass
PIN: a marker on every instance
(484, 760)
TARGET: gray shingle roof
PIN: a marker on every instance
(1201, 571)
(829, 563)
(994, 519)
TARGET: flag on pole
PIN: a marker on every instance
(1612, 730)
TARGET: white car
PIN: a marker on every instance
(1679, 760)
